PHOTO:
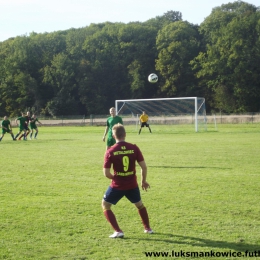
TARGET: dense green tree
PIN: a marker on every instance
(229, 66)
(177, 43)
(83, 71)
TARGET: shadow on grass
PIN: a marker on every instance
(188, 167)
(201, 242)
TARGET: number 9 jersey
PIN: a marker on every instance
(123, 156)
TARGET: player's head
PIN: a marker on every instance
(5, 117)
(119, 132)
(143, 112)
(112, 111)
(28, 113)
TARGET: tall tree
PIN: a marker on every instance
(177, 43)
(229, 66)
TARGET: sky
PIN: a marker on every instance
(22, 17)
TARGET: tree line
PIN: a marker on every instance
(83, 71)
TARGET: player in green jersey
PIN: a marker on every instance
(33, 126)
(26, 125)
(111, 121)
(22, 126)
(6, 128)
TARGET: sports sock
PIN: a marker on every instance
(35, 134)
(144, 216)
(112, 220)
(12, 136)
(31, 135)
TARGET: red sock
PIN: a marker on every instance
(144, 216)
(112, 220)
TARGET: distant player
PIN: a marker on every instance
(6, 128)
(144, 119)
(33, 126)
(26, 125)
(111, 121)
(22, 126)
(123, 156)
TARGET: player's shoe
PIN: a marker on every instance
(148, 231)
(117, 235)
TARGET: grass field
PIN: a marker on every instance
(204, 196)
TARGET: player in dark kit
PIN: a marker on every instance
(123, 157)
(33, 126)
(22, 120)
(26, 125)
(6, 128)
(111, 121)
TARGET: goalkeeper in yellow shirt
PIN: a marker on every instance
(144, 119)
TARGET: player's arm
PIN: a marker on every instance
(104, 136)
(107, 173)
(145, 184)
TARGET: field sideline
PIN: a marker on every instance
(204, 195)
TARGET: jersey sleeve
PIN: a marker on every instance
(107, 162)
(139, 154)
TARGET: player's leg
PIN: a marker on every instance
(135, 197)
(142, 125)
(149, 128)
(11, 133)
(27, 131)
(2, 137)
(111, 197)
(36, 132)
(31, 134)
(24, 135)
(17, 134)
(144, 217)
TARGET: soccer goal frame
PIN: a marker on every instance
(196, 106)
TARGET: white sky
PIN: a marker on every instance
(21, 17)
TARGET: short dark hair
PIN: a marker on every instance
(119, 131)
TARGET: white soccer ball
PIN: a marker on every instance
(153, 78)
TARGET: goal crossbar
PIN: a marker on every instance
(192, 105)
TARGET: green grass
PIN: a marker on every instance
(204, 195)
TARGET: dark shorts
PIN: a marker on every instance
(110, 141)
(6, 131)
(113, 195)
(144, 124)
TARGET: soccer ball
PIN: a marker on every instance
(153, 78)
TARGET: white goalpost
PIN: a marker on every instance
(171, 108)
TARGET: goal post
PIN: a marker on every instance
(169, 108)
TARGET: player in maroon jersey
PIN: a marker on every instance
(123, 157)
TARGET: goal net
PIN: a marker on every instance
(177, 111)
